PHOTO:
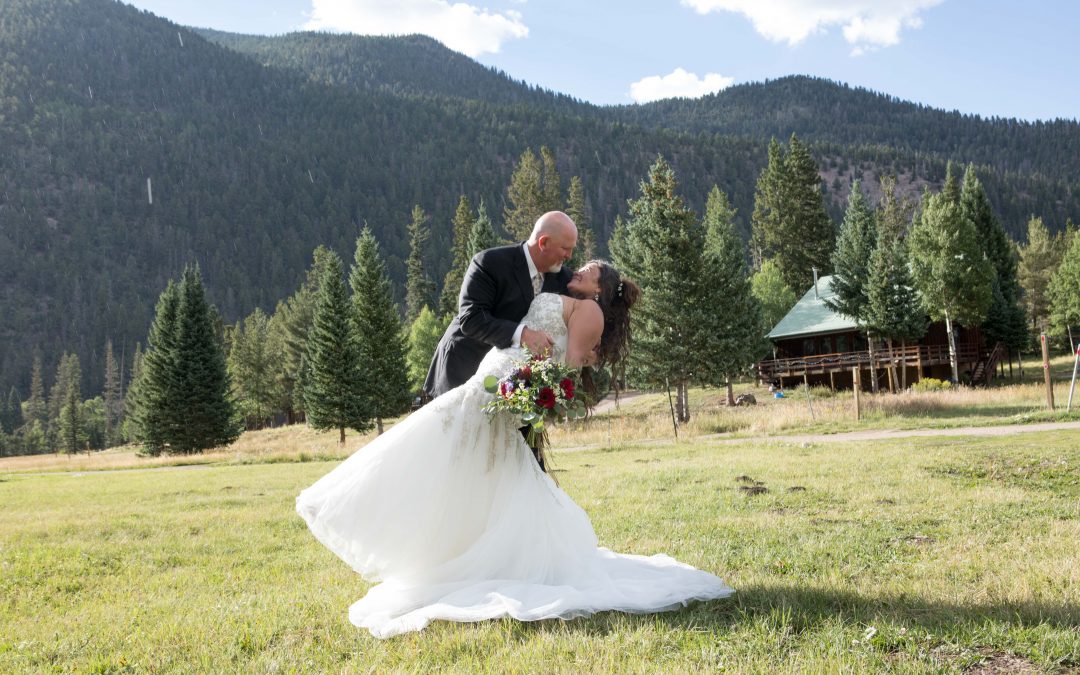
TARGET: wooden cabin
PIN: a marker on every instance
(820, 346)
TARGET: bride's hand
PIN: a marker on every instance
(536, 341)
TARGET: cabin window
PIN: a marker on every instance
(842, 343)
(826, 346)
(808, 347)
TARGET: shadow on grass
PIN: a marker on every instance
(804, 609)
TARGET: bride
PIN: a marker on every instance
(450, 512)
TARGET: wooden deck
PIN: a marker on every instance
(914, 356)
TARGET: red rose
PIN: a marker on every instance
(567, 386)
(506, 388)
(546, 399)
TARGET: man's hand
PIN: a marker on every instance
(536, 341)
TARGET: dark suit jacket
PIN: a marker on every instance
(495, 295)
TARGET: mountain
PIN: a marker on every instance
(134, 146)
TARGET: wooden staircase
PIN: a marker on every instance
(985, 368)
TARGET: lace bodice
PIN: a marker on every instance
(546, 314)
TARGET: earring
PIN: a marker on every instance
(596, 297)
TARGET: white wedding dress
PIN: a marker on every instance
(450, 512)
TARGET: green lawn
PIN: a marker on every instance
(914, 556)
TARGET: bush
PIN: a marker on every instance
(931, 384)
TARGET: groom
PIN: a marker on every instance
(499, 285)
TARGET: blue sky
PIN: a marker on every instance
(1000, 58)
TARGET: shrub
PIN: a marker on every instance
(931, 384)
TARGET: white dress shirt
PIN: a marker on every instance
(534, 274)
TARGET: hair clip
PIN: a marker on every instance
(618, 290)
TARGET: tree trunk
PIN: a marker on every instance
(1072, 345)
(892, 367)
(903, 373)
(683, 403)
(378, 425)
(873, 363)
(341, 438)
(730, 393)
(952, 350)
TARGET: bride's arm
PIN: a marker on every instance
(584, 327)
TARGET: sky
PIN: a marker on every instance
(995, 58)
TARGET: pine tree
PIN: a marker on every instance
(661, 247)
(71, 425)
(201, 400)
(334, 396)
(462, 228)
(1063, 292)
(578, 211)
(1038, 260)
(893, 310)
(13, 416)
(111, 395)
(130, 396)
(151, 391)
(732, 334)
(551, 184)
(424, 335)
(525, 197)
(482, 236)
(36, 410)
(790, 223)
(851, 259)
(950, 272)
(291, 324)
(766, 223)
(1005, 321)
(419, 288)
(254, 362)
(379, 334)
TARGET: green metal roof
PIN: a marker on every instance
(811, 316)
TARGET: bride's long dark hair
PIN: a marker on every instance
(618, 294)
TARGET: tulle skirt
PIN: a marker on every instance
(450, 512)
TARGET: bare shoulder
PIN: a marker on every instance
(585, 311)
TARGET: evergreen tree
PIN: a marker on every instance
(71, 424)
(1038, 260)
(462, 228)
(419, 288)
(334, 396)
(525, 197)
(1063, 292)
(152, 391)
(130, 403)
(893, 310)
(851, 259)
(13, 416)
(482, 236)
(790, 223)
(950, 272)
(111, 394)
(291, 325)
(893, 212)
(773, 295)
(254, 361)
(424, 335)
(733, 328)
(551, 184)
(380, 338)
(201, 400)
(578, 211)
(36, 410)
(1005, 321)
(661, 247)
(766, 224)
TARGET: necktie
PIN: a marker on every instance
(538, 283)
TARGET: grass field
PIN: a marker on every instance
(910, 556)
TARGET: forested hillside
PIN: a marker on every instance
(132, 146)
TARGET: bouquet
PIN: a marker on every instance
(536, 389)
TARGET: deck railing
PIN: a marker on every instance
(912, 356)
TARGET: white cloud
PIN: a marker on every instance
(461, 27)
(678, 83)
(866, 24)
